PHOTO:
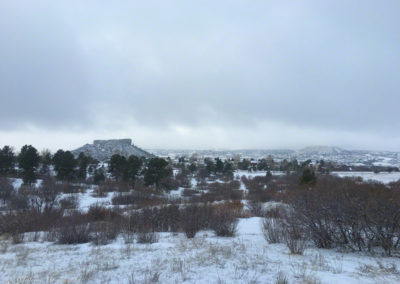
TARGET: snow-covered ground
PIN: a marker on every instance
(246, 258)
(88, 199)
(384, 177)
(240, 173)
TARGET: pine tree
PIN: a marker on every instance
(7, 160)
(64, 165)
(28, 162)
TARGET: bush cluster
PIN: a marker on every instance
(347, 212)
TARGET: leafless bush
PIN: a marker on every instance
(128, 228)
(349, 213)
(114, 186)
(182, 178)
(222, 191)
(100, 191)
(67, 187)
(147, 237)
(19, 222)
(73, 234)
(139, 199)
(6, 189)
(72, 229)
(295, 243)
(281, 279)
(191, 220)
(189, 192)
(273, 230)
(98, 212)
(17, 238)
(69, 202)
(255, 207)
(18, 202)
(224, 222)
(102, 233)
(258, 188)
(276, 212)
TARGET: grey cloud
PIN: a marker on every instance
(316, 64)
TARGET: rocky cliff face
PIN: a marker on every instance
(103, 149)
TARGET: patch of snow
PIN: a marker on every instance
(384, 177)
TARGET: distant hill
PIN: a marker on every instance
(103, 149)
(322, 150)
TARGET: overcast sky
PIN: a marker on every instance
(215, 74)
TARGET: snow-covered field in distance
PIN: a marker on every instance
(384, 177)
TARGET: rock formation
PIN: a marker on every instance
(103, 149)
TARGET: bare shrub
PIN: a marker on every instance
(67, 187)
(128, 237)
(139, 199)
(222, 191)
(276, 212)
(146, 237)
(182, 178)
(189, 192)
(349, 213)
(273, 231)
(281, 279)
(114, 186)
(73, 229)
(295, 244)
(73, 234)
(191, 221)
(17, 238)
(19, 222)
(98, 212)
(6, 189)
(69, 202)
(128, 229)
(100, 191)
(18, 202)
(102, 233)
(255, 207)
(224, 222)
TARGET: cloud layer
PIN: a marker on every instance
(178, 73)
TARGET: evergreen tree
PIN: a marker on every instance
(132, 168)
(193, 167)
(98, 176)
(308, 177)
(28, 162)
(244, 165)
(228, 168)
(45, 160)
(64, 164)
(117, 166)
(157, 169)
(219, 165)
(7, 160)
(210, 165)
(83, 163)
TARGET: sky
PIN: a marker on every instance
(201, 74)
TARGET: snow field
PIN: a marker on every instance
(245, 258)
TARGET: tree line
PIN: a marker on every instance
(29, 165)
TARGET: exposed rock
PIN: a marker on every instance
(103, 149)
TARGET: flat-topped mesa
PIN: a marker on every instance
(103, 149)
